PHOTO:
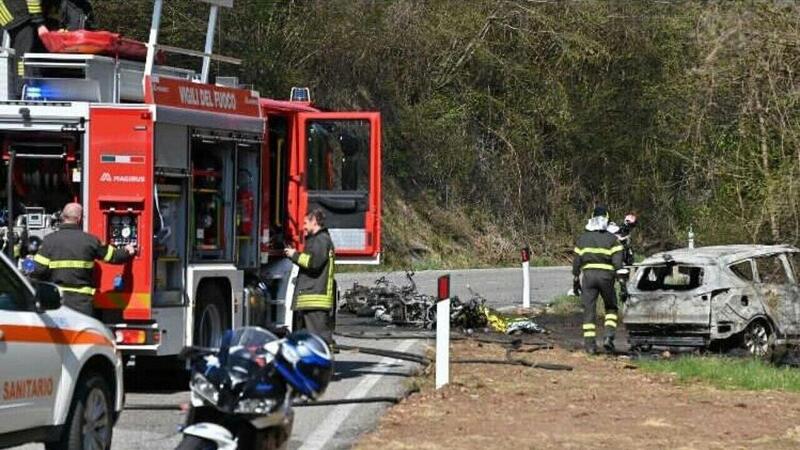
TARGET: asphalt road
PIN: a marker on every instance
(357, 375)
(501, 287)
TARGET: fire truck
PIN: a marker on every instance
(208, 181)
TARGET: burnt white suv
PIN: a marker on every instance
(733, 295)
(60, 373)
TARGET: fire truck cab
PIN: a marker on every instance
(208, 181)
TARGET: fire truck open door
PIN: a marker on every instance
(338, 169)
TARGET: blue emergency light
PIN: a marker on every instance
(300, 94)
(60, 89)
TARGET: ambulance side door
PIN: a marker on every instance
(30, 357)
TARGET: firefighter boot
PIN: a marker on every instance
(608, 343)
(589, 346)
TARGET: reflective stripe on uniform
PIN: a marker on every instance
(588, 326)
(611, 320)
(5, 14)
(599, 251)
(82, 290)
(599, 266)
(329, 288)
(318, 301)
(589, 334)
(304, 260)
(314, 301)
(71, 264)
(34, 6)
(109, 253)
(42, 260)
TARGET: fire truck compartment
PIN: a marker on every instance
(42, 173)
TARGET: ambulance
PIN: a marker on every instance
(60, 371)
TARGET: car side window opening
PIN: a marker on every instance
(771, 271)
(672, 277)
(743, 270)
(13, 294)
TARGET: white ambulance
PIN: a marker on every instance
(60, 372)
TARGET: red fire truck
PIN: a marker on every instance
(208, 181)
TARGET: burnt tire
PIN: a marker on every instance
(90, 420)
(756, 339)
(211, 316)
(196, 443)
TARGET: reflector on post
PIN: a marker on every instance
(443, 288)
(443, 331)
(526, 276)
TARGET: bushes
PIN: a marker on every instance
(526, 113)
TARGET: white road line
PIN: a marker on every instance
(327, 429)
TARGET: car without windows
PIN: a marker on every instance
(722, 296)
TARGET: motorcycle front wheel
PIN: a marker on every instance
(275, 438)
(196, 443)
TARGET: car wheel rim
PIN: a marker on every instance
(757, 340)
(210, 326)
(96, 421)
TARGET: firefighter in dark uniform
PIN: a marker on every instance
(22, 19)
(25, 19)
(67, 258)
(314, 294)
(598, 255)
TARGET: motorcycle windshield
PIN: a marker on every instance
(244, 347)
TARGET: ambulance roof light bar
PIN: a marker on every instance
(207, 55)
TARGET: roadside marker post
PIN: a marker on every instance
(443, 331)
(526, 277)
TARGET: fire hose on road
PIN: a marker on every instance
(405, 356)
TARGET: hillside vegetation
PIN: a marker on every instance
(504, 121)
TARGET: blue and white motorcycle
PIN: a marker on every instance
(242, 393)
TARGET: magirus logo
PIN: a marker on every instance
(108, 178)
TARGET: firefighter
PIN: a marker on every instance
(71, 15)
(67, 258)
(24, 20)
(598, 254)
(314, 295)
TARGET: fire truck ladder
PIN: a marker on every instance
(207, 55)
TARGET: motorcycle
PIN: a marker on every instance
(242, 393)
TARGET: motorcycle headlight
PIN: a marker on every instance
(205, 388)
(255, 406)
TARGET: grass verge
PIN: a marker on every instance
(565, 305)
(728, 373)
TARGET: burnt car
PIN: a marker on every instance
(720, 297)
